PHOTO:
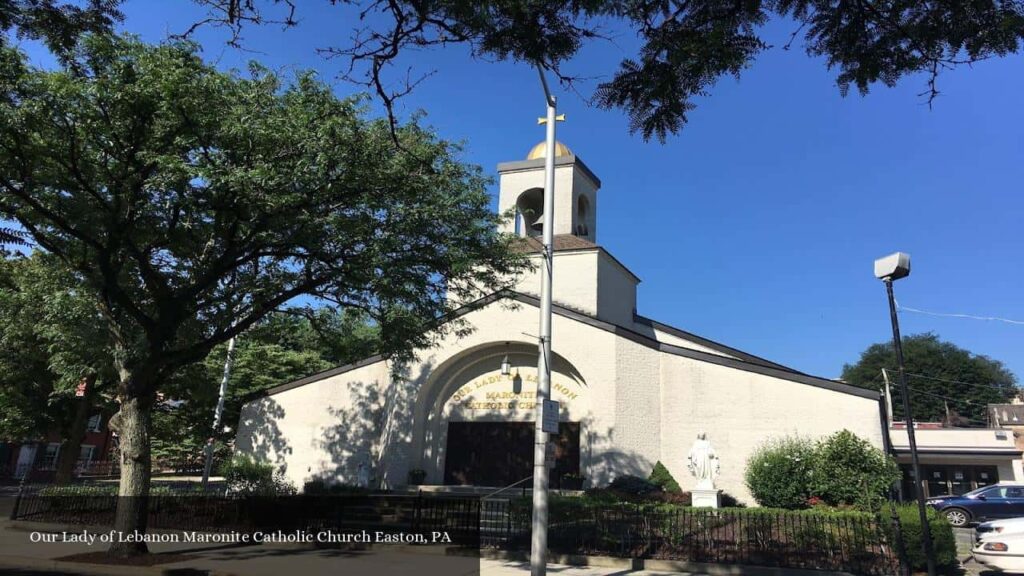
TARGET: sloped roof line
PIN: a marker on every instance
(711, 343)
(747, 366)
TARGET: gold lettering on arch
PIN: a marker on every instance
(507, 399)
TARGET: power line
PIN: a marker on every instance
(993, 385)
(954, 400)
(940, 396)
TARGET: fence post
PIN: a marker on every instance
(416, 511)
(897, 530)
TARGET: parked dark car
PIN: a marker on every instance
(1003, 500)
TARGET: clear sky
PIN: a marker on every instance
(758, 224)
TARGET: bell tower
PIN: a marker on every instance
(521, 191)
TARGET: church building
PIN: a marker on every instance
(633, 391)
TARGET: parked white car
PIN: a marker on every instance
(995, 528)
(1004, 553)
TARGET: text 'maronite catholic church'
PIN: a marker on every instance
(633, 391)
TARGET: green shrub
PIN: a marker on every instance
(779, 472)
(943, 540)
(110, 489)
(848, 470)
(660, 476)
(677, 498)
(601, 496)
(841, 470)
(246, 476)
(730, 501)
(81, 490)
(633, 486)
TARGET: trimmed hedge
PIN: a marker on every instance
(943, 539)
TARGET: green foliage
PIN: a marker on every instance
(660, 476)
(840, 470)
(943, 539)
(246, 476)
(110, 489)
(779, 472)
(943, 363)
(633, 486)
(684, 47)
(51, 337)
(12, 237)
(58, 25)
(848, 470)
(321, 488)
(226, 197)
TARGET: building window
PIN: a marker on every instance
(85, 455)
(944, 480)
(50, 456)
(94, 423)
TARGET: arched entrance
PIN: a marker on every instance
(483, 421)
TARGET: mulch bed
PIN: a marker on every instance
(141, 560)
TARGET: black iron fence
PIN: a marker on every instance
(821, 541)
(851, 542)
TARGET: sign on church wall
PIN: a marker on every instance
(497, 392)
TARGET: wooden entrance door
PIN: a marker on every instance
(501, 453)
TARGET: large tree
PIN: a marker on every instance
(940, 375)
(191, 203)
(685, 45)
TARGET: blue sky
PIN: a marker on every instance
(757, 225)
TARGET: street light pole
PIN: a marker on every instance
(539, 532)
(218, 413)
(888, 269)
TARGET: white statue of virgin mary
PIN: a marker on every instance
(703, 462)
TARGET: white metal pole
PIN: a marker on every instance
(539, 539)
(218, 412)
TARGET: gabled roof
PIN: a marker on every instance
(753, 364)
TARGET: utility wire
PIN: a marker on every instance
(993, 385)
(960, 401)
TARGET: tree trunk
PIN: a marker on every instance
(72, 446)
(132, 424)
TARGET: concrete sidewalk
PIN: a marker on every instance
(20, 555)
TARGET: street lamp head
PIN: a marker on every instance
(893, 267)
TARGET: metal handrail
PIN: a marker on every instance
(500, 490)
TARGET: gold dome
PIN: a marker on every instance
(539, 151)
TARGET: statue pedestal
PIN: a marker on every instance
(706, 498)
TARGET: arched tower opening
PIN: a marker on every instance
(582, 221)
(530, 212)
